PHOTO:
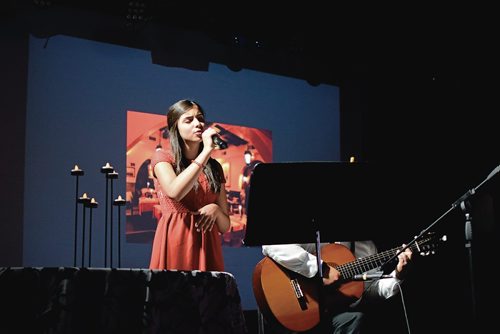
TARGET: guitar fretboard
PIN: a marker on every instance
(350, 269)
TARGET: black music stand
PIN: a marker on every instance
(289, 202)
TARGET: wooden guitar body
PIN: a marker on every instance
(275, 289)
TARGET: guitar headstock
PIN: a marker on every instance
(428, 244)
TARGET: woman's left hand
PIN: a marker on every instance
(206, 217)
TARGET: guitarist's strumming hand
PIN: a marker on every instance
(330, 274)
(403, 260)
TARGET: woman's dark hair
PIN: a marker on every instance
(213, 170)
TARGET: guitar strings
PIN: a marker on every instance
(362, 265)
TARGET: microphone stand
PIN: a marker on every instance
(468, 245)
(463, 202)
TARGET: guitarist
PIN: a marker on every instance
(301, 258)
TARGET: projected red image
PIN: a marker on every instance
(147, 132)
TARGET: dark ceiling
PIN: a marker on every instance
(318, 43)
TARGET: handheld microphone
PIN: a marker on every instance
(366, 277)
(219, 142)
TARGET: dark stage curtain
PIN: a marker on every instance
(86, 300)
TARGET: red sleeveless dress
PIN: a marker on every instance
(177, 244)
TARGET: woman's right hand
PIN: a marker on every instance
(207, 135)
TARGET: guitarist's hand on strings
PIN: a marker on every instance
(403, 260)
(330, 274)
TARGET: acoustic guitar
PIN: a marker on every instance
(293, 300)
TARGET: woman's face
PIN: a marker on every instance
(191, 125)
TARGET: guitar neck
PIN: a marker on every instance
(350, 269)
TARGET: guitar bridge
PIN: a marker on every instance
(296, 288)
(301, 299)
